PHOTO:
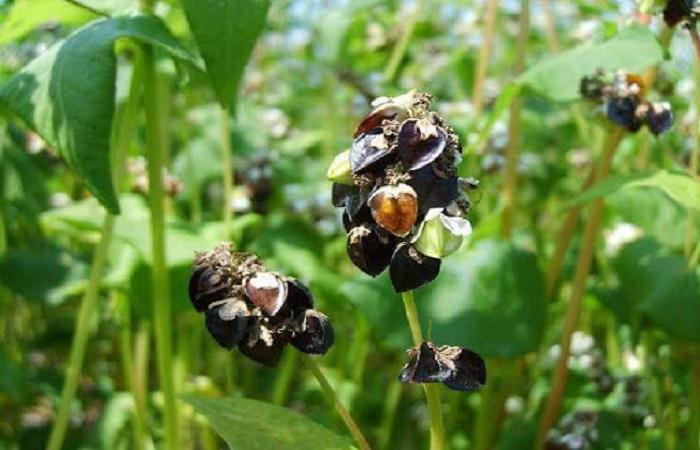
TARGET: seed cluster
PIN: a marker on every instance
(623, 97)
(404, 205)
(257, 310)
(685, 12)
(456, 367)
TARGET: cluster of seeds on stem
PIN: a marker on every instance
(254, 309)
(623, 96)
(576, 431)
(685, 12)
(404, 205)
(457, 368)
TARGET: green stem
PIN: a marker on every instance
(482, 66)
(333, 398)
(391, 404)
(510, 182)
(694, 422)
(583, 268)
(285, 375)
(156, 131)
(401, 47)
(227, 168)
(432, 394)
(81, 335)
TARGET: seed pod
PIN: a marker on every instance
(316, 335)
(395, 208)
(227, 322)
(622, 111)
(206, 285)
(368, 150)
(266, 291)
(420, 143)
(440, 234)
(352, 198)
(433, 191)
(591, 87)
(299, 297)
(677, 11)
(368, 251)
(268, 355)
(410, 269)
(658, 118)
(458, 368)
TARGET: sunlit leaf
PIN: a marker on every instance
(489, 298)
(251, 425)
(26, 15)
(226, 32)
(67, 95)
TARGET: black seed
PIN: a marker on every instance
(368, 150)
(591, 87)
(227, 323)
(316, 336)
(677, 11)
(469, 374)
(659, 119)
(368, 250)
(262, 353)
(622, 111)
(352, 198)
(206, 286)
(422, 366)
(410, 269)
(299, 297)
(433, 191)
(417, 150)
(340, 193)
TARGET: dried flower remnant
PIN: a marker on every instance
(456, 367)
(254, 309)
(623, 97)
(399, 174)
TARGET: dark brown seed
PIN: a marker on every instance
(369, 251)
(262, 353)
(316, 336)
(433, 191)
(266, 291)
(227, 322)
(206, 285)
(458, 368)
(420, 143)
(410, 269)
(367, 150)
(395, 208)
(299, 297)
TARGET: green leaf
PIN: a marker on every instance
(109, 7)
(490, 299)
(226, 32)
(27, 15)
(558, 77)
(250, 425)
(67, 95)
(682, 188)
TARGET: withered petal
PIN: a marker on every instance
(410, 269)
(368, 250)
(227, 332)
(261, 353)
(317, 335)
(418, 147)
(367, 150)
(433, 191)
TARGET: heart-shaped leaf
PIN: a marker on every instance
(226, 32)
(67, 95)
(250, 424)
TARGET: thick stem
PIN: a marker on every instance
(399, 52)
(432, 394)
(81, 335)
(569, 227)
(573, 312)
(227, 168)
(510, 184)
(484, 58)
(333, 398)
(156, 131)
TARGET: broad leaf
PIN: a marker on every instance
(226, 32)
(26, 16)
(67, 95)
(682, 188)
(490, 299)
(251, 425)
(558, 77)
